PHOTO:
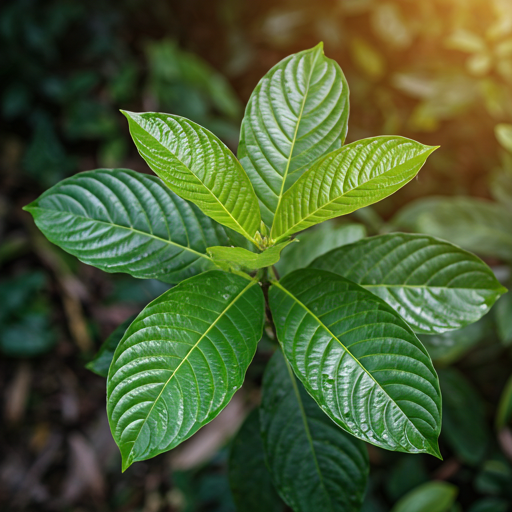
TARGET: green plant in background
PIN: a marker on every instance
(350, 366)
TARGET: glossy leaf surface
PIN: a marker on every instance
(464, 422)
(317, 241)
(238, 257)
(181, 361)
(474, 224)
(123, 221)
(434, 285)
(101, 362)
(198, 167)
(429, 497)
(249, 478)
(297, 113)
(347, 179)
(314, 464)
(359, 360)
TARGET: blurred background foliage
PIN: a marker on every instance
(437, 71)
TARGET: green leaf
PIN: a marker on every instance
(504, 413)
(198, 167)
(297, 113)
(101, 362)
(239, 258)
(475, 224)
(181, 361)
(317, 241)
(359, 360)
(123, 221)
(434, 285)
(503, 133)
(464, 422)
(429, 497)
(315, 465)
(490, 505)
(447, 348)
(503, 316)
(249, 477)
(347, 179)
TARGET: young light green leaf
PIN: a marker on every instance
(317, 241)
(359, 360)
(464, 423)
(434, 285)
(297, 113)
(198, 167)
(101, 362)
(475, 224)
(249, 477)
(181, 361)
(347, 179)
(239, 258)
(314, 464)
(123, 221)
(429, 497)
(503, 133)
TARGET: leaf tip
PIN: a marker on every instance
(434, 450)
(320, 46)
(127, 462)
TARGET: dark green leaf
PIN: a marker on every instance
(347, 179)
(183, 154)
(317, 241)
(249, 477)
(490, 505)
(504, 413)
(429, 497)
(474, 224)
(101, 362)
(123, 221)
(297, 113)
(434, 285)
(449, 347)
(181, 361)
(503, 315)
(315, 465)
(359, 360)
(464, 423)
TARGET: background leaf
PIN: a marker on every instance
(449, 347)
(503, 316)
(317, 241)
(429, 497)
(249, 477)
(123, 221)
(101, 362)
(184, 154)
(297, 113)
(504, 413)
(475, 224)
(434, 285)
(181, 361)
(315, 465)
(464, 422)
(350, 178)
(359, 360)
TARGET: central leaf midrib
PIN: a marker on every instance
(251, 283)
(249, 237)
(324, 205)
(307, 430)
(349, 353)
(119, 226)
(299, 119)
